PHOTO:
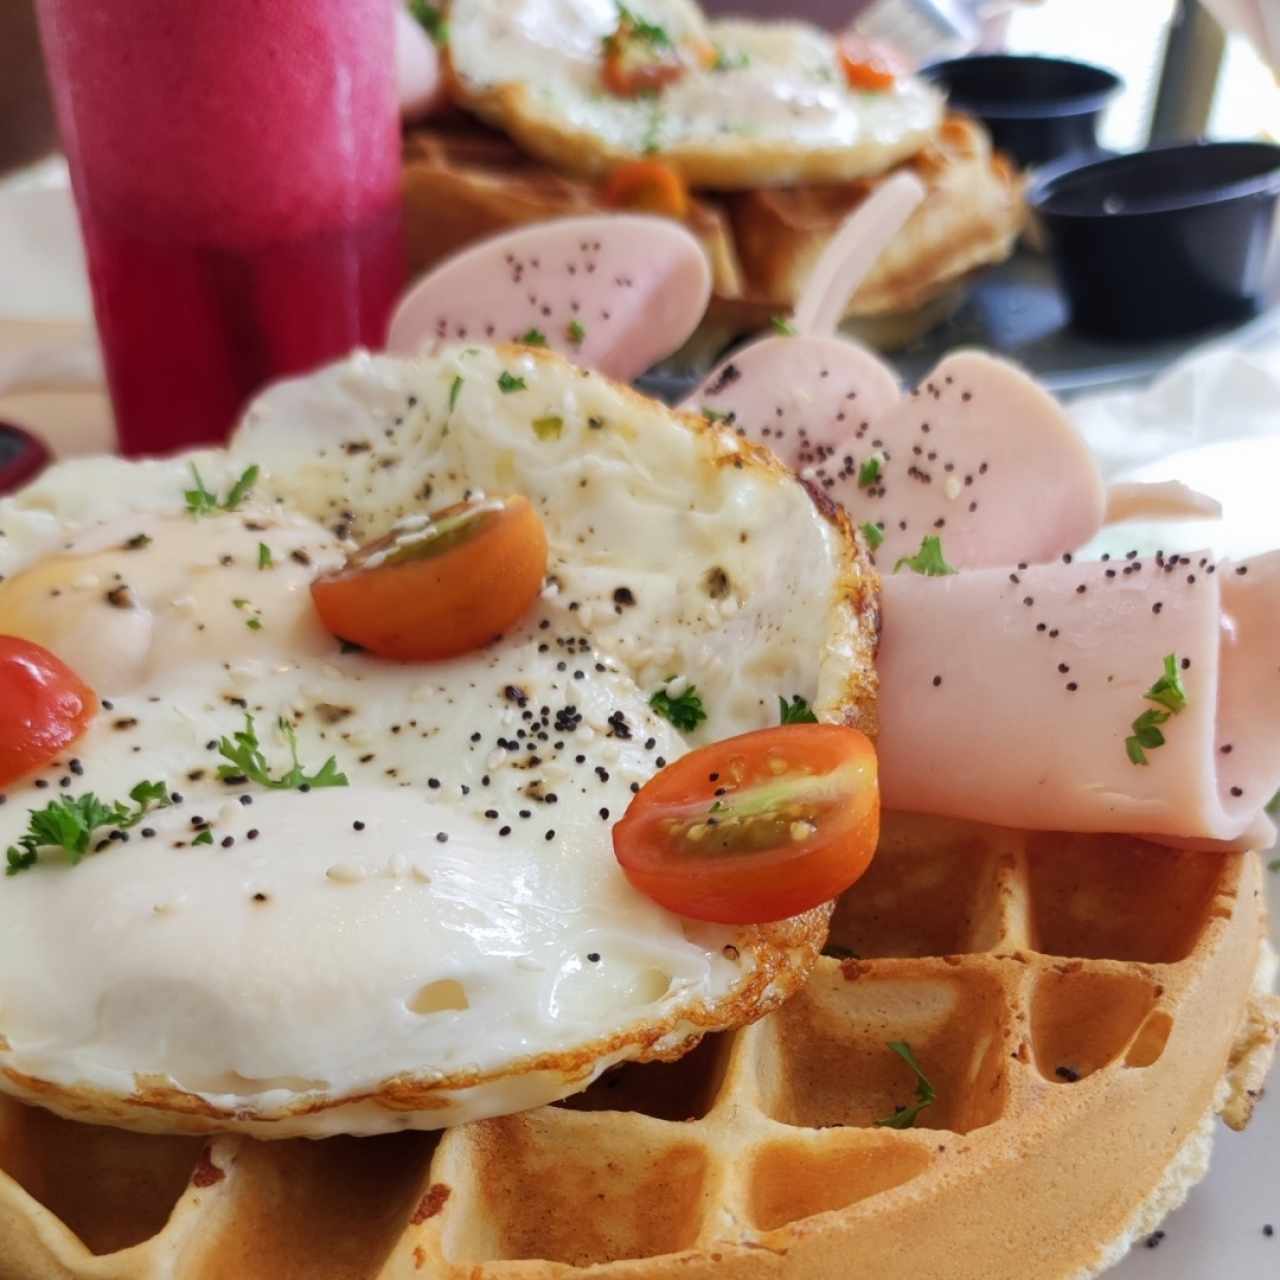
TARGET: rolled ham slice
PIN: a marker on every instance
(615, 293)
(1007, 696)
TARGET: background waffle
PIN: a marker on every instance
(1081, 1004)
(463, 181)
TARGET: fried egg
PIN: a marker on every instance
(448, 936)
(773, 109)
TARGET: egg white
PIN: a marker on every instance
(449, 936)
(776, 110)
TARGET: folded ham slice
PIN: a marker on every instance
(979, 449)
(1007, 695)
(615, 292)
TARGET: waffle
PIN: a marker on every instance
(1082, 1006)
(971, 216)
(463, 182)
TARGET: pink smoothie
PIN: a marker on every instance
(236, 167)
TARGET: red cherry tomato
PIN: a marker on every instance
(868, 65)
(755, 828)
(44, 707)
(451, 585)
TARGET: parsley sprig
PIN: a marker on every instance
(649, 32)
(508, 382)
(685, 712)
(431, 19)
(200, 502)
(873, 533)
(244, 751)
(797, 711)
(69, 823)
(905, 1117)
(782, 324)
(1168, 693)
(929, 560)
(869, 473)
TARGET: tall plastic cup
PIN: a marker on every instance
(236, 168)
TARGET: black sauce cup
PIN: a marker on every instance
(1167, 241)
(1036, 109)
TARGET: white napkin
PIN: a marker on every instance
(1212, 395)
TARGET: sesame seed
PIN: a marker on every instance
(1155, 608)
(358, 825)
(442, 837)
(1237, 791)
(937, 680)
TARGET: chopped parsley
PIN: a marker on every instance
(730, 61)
(929, 560)
(1273, 805)
(254, 624)
(264, 557)
(1170, 695)
(431, 19)
(649, 32)
(1274, 864)
(783, 326)
(68, 823)
(685, 712)
(205, 837)
(651, 143)
(873, 533)
(247, 761)
(1168, 690)
(797, 711)
(868, 473)
(576, 332)
(508, 382)
(200, 502)
(905, 1117)
(138, 542)
(548, 428)
(716, 415)
(534, 338)
(455, 387)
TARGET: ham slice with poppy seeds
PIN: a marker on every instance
(613, 293)
(1138, 695)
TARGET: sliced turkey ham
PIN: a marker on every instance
(615, 292)
(1007, 696)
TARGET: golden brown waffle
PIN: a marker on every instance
(971, 215)
(463, 182)
(1078, 1003)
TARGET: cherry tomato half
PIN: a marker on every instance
(868, 64)
(44, 707)
(755, 828)
(639, 59)
(648, 186)
(440, 585)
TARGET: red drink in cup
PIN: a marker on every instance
(236, 166)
